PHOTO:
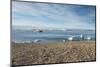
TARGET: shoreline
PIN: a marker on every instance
(53, 42)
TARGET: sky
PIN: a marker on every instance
(47, 15)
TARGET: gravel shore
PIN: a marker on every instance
(50, 53)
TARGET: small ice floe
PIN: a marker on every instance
(70, 38)
(88, 38)
(28, 41)
(38, 30)
(18, 42)
(81, 36)
(63, 41)
(37, 40)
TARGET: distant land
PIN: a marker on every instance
(47, 28)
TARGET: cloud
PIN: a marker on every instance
(53, 15)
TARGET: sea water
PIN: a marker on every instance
(51, 35)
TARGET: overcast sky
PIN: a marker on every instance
(43, 15)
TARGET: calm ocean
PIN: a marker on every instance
(51, 35)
